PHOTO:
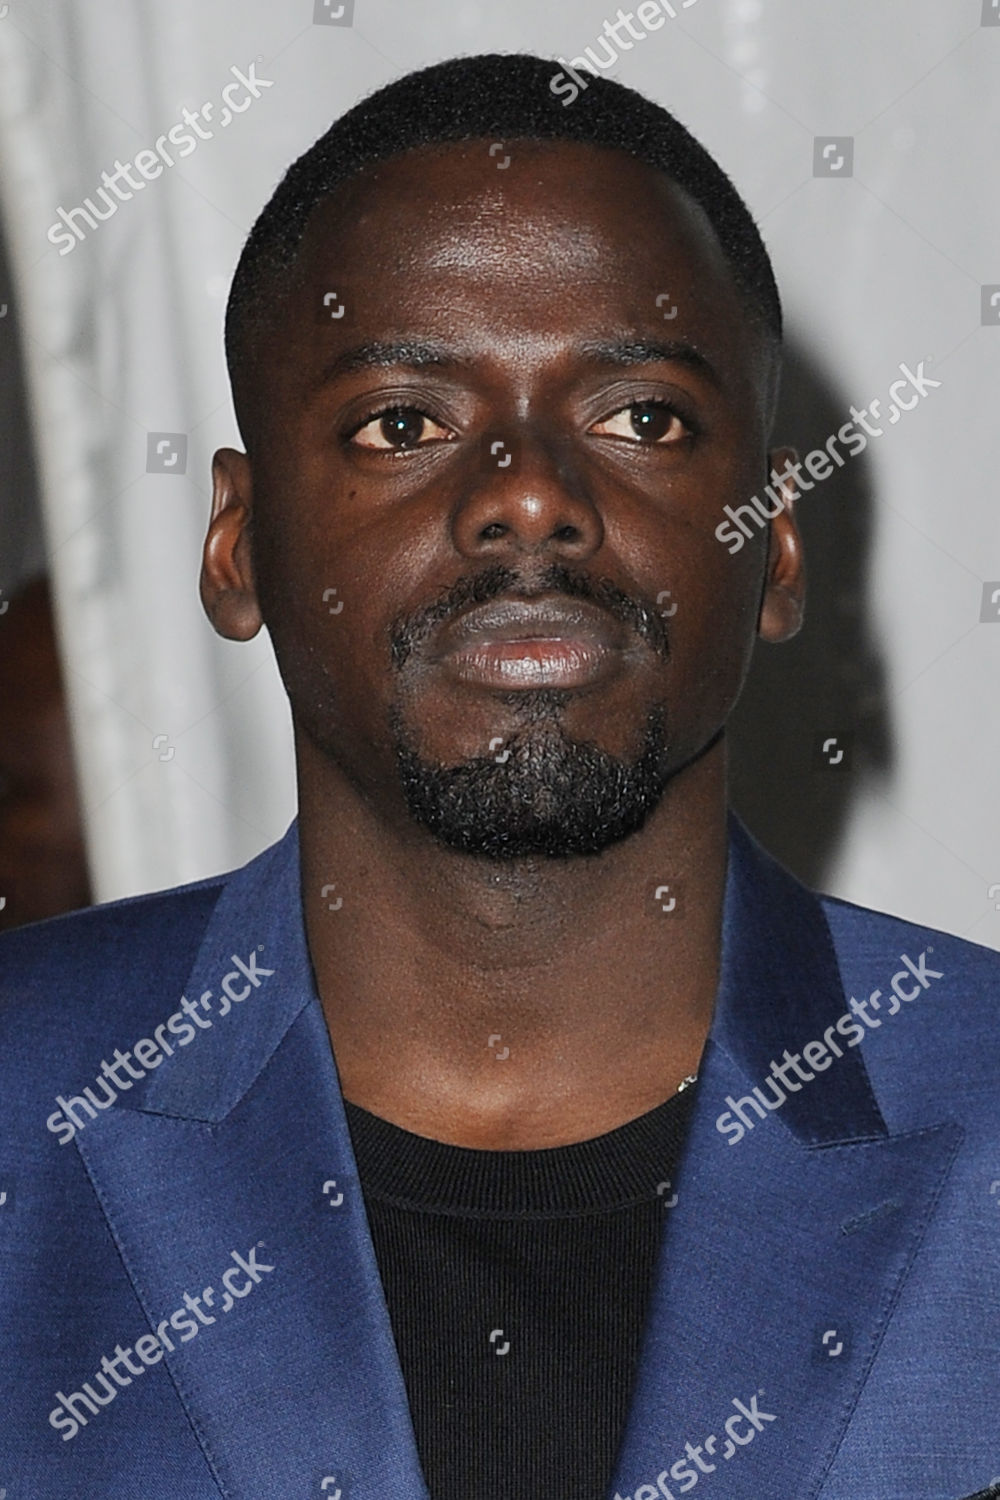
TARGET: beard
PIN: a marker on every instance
(552, 797)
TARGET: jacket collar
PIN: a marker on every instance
(779, 988)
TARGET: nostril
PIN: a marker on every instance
(493, 530)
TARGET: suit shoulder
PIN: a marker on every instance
(57, 974)
(860, 933)
(81, 975)
(944, 1039)
(100, 931)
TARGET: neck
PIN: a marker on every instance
(513, 1005)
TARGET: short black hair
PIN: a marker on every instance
(498, 96)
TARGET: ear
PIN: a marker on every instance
(783, 596)
(228, 593)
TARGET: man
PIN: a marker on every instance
(514, 1126)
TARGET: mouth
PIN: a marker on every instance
(511, 643)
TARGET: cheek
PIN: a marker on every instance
(709, 599)
(327, 593)
(714, 637)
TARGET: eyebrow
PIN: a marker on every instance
(380, 354)
(414, 354)
(627, 352)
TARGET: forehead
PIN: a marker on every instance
(512, 257)
(506, 214)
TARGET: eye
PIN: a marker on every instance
(395, 429)
(646, 422)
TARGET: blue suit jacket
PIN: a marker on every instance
(825, 1317)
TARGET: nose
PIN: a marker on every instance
(526, 496)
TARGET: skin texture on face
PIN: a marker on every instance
(506, 407)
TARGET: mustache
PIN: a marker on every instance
(408, 633)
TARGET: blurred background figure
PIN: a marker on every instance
(43, 861)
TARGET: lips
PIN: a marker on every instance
(531, 620)
(531, 643)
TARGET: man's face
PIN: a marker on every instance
(517, 445)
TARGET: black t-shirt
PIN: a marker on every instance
(517, 1284)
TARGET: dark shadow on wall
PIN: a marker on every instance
(828, 684)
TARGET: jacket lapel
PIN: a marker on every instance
(239, 1151)
(787, 1249)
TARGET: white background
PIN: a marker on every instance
(124, 337)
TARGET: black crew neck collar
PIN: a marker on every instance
(616, 1170)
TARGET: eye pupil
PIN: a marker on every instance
(402, 428)
(649, 420)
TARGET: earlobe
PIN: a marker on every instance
(783, 595)
(228, 592)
